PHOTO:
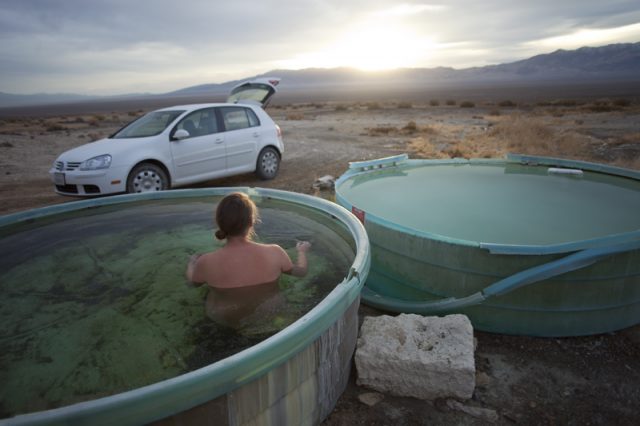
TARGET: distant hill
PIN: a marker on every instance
(8, 99)
(587, 64)
(615, 63)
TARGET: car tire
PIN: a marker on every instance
(147, 177)
(268, 163)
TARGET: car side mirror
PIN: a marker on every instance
(181, 134)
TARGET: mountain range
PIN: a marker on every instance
(615, 63)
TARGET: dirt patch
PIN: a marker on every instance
(587, 380)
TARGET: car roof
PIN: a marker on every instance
(192, 107)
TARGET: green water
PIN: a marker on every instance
(496, 204)
(96, 303)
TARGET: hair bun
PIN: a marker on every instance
(220, 234)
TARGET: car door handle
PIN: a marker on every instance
(218, 141)
(256, 134)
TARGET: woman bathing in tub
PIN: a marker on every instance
(243, 274)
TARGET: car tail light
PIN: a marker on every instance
(278, 131)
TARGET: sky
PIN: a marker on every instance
(111, 47)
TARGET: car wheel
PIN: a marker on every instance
(147, 177)
(268, 163)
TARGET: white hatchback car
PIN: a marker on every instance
(178, 146)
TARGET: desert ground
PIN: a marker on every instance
(524, 380)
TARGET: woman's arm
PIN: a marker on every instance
(191, 272)
(300, 267)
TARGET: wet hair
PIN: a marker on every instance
(235, 216)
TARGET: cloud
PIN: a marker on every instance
(110, 46)
(590, 37)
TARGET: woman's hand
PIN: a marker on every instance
(190, 270)
(303, 246)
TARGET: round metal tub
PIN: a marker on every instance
(527, 245)
(293, 377)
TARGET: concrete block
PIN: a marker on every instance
(421, 357)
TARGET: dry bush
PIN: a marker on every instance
(628, 163)
(600, 106)
(467, 104)
(535, 137)
(434, 102)
(507, 104)
(411, 127)
(450, 102)
(622, 103)
(381, 130)
(341, 107)
(424, 148)
(55, 127)
(405, 105)
(292, 116)
(560, 102)
(373, 106)
(454, 153)
(633, 137)
(494, 112)
(523, 135)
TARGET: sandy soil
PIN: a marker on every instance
(587, 380)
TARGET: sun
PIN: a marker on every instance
(374, 48)
(371, 45)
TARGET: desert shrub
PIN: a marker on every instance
(411, 127)
(373, 105)
(132, 114)
(506, 104)
(567, 103)
(450, 102)
(55, 127)
(454, 153)
(467, 104)
(405, 105)
(600, 106)
(632, 138)
(99, 117)
(381, 130)
(295, 116)
(341, 107)
(622, 102)
(6, 145)
(434, 102)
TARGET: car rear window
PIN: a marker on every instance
(236, 118)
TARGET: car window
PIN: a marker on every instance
(257, 92)
(199, 123)
(148, 125)
(253, 118)
(236, 118)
